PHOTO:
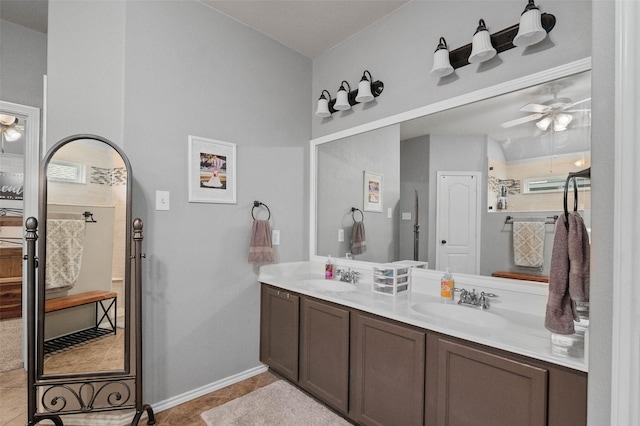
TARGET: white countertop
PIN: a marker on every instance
(520, 304)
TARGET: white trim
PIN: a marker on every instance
(488, 92)
(625, 347)
(206, 389)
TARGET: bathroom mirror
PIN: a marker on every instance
(84, 251)
(509, 135)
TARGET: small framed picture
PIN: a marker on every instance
(212, 171)
(372, 192)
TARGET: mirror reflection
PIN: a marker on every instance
(460, 177)
(86, 213)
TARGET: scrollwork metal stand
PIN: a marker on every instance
(89, 388)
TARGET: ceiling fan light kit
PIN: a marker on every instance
(532, 29)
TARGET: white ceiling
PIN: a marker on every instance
(310, 27)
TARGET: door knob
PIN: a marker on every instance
(444, 241)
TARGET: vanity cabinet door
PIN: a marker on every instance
(388, 362)
(279, 326)
(477, 387)
(324, 352)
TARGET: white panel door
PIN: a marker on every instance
(458, 222)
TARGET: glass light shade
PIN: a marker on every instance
(544, 123)
(12, 135)
(530, 30)
(342, 100)
(7, 120)
(481, 49)
(323, 108)
(561, 121)
(364, 91)
(441, 64)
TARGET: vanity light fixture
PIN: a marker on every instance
(342, 97)
(364, 88)
(530, 30)
(441, 64)
(345, 98)
(323, 105)
(482, 50)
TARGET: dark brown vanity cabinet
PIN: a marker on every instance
(279, 329)
(387, 367)
(475, 385)
(324, 352)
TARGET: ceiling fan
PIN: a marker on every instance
(10, 131)
(555, 111)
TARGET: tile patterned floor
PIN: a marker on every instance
(13, 391)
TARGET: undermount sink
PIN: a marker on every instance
(329, 285)
(460, 314)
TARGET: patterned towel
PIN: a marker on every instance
(65, 243)
(528, 244)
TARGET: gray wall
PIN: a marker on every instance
(399, 49)
(23, 64)
(178, 68)
(341, 167)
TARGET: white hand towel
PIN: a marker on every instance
(528, 244)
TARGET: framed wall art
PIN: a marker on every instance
(212, 171)
(372, 192)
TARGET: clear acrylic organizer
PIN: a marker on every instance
(391, 279)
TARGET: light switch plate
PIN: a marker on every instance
(340, 235)
(390, 212)
(162, 200)
(275, 237)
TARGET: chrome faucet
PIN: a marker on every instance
(348, 276)
(474, 299)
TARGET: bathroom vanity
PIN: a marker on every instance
(410, 360)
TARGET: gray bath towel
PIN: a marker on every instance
(261, 250)
(358, 240)
(560, 310)
(579, 252)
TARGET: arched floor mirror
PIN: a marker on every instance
(84, 309)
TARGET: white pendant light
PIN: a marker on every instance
(364, 88)
(561, 121)
(530, 30)
(441, 64)
(544, 123)
(323, 106)
(481, 49)
(342, 97)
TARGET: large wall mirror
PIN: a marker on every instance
(84, 280)
(510, 150)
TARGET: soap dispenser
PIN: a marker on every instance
(447, 287)
(328, 269)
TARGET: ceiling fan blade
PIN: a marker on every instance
(535, 108)
(522, 120)
(576, 103)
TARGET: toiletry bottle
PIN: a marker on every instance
(328, 269)
(446, 287)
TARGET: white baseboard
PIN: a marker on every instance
(196, 393)
(123, 418)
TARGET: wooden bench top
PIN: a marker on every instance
(78, 300)
(521, 276)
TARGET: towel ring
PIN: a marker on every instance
(258, 204)
(353, 214)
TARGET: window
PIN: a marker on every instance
(62, 171)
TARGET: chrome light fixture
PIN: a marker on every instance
(530, 30)
(441, 64)
(323, 105)
(481, 50)
(342, 97)
(364, 88)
